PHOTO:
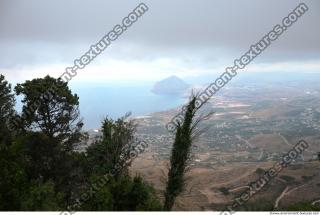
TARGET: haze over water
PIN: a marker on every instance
(114, 100)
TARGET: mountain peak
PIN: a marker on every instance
(170, 85)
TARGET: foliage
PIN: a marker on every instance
(307, 177)
(12, 176)
(113, 152)
(181, 153)
(125, 194)
(224, 190)
(7, 100)
(288, 178)
(13, 179)
(40, 170)
(303, 206)
(41, 197)
(7, 103)
(257, 205)
(56, 113)
(260, 171)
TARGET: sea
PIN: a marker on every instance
(114, 100)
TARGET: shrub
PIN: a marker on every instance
(224, 190)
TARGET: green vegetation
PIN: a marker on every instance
(40, 170)
(179, 157)
(260, 171)
(307, 178)
(257, 205)
(180, 154)
(287, 178)
(304, 206)
(224, 190)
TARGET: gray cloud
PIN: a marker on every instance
(43, 31)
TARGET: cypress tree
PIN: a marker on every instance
(180, 155)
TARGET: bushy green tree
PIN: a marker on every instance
(38, 153)
(51, 121)
(41, 197)
(56, 114)
(113, 152)
(124, 194)
(12, 175)
(7, 102)
(13, 178)
(39, 166)
(134, 195)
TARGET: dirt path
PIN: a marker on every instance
(315, 202)
(280, 197)
(238, 188)
(286, 192)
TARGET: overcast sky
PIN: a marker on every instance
(182, 37)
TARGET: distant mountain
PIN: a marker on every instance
(170, 85)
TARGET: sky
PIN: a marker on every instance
(182, 37)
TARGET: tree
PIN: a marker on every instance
(7, 103)
(39, 155)
(134, 195)
(12, 175)
(13, 178)
(51, 125)
(124, 194)
(41, 197)
(32, 160)
(181, 151)
(113, 154)
(113, 151)
(56, 114)
(39, 166)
